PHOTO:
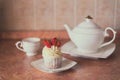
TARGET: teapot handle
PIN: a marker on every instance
(114, 35)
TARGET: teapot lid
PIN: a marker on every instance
(87, 26)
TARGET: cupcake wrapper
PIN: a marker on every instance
(53, 62)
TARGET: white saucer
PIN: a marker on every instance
(66, 64)
(104, 52)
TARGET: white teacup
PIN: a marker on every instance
(29, 45)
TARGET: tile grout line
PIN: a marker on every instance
(51, 18)
(54, 5)
(115, 14)
(75, 12)
(34, 14)
(95, 8)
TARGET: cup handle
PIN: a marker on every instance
(19, 45)
(114, 35)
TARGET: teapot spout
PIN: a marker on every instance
(67, 28)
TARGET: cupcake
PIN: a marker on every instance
(51, 53)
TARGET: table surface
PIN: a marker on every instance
(15, 65)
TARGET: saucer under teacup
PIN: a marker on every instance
(31, 54)
(103, 52)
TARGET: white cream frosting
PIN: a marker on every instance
(51, 52)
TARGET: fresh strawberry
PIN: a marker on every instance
(47, 43)
(58, 43)
(54, 41)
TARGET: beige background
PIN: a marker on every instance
(19, 15)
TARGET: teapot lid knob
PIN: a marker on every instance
(89, 17)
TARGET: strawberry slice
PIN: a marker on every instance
(47, 43)
(54, 41)
(58, 43)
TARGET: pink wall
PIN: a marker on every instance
(53, 14)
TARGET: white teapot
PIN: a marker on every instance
(88, 36)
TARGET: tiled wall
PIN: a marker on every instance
(53, 14)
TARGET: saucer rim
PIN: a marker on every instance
(45, 69)
(85, 56)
